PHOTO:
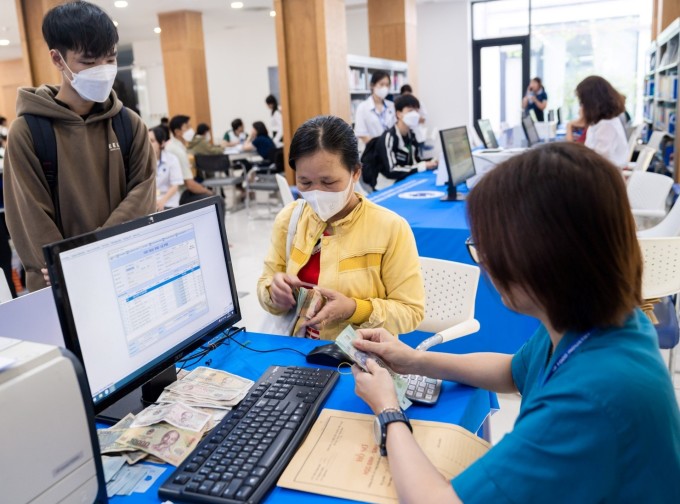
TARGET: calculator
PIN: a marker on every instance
(422, 389)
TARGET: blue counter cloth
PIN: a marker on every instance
(605, 427)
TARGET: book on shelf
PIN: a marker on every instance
(668, 87)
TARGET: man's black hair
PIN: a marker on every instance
(177, 122)
(3, 120)
(165, 121)
(202, 129)
(406, 88)
(236, 124)
(407, 100)
(160, 133)
(379, 75)
(80, 27)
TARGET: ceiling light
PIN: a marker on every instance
(121, 4)
(237, 5)
(272, 13)
(115, 23)
(4, 42)
(157, 29)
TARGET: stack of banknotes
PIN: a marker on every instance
(167, 432)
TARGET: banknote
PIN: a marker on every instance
(344, 341)
(195, 402)
(164, 441)
(177, 414)
(133, 457)
(203, 390)
(219, 378)
(108, 440)
(309, 303)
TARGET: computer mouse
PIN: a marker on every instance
(328, 355)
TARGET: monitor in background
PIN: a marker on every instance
(530, 131)
(486, 134)
(135, 298)
(458, 158)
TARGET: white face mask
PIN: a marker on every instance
(188, 135)
(411, 119)
(381, 91)
(93, 84)
(4, 130)
(208, 137)
(326, 204)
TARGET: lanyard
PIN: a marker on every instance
(565, 355)
(381, 115)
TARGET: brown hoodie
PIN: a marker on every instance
(92, 186)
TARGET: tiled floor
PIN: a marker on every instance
(249, 237)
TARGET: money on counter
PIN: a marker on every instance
(219, 378)
(177, 414)
(164, 441)
(344, 341)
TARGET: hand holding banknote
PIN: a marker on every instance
(400, 357)
(337, 307)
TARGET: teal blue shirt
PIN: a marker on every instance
(605, 427)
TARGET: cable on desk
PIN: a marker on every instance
(231, 338)
(206, 349)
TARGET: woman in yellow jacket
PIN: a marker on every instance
(362, 257)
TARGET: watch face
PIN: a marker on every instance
(377, 431)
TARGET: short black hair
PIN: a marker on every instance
(325, 133)
(202, 129)
(236, 124)
(379, 75)
(406, 88)
(407, 100)
(160, 133)
(271, 100)
(3, 120)
(81, 27)
(260, 128)
(177, 122)
(165, 121)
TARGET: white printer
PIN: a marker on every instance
(49, 450)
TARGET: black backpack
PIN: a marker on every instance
(370, 163)
(45, 147)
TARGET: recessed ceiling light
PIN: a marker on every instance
(4, 42)
(121, 4)
(115, 23)
(237, 5)
(157, 29)
(272, 13)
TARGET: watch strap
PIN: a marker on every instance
(387, 417)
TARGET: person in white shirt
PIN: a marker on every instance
(601, 106)
(168, 171)
(375, 114)
(276, 120)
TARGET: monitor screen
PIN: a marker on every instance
(530, 130)
(134, 298)
(487, 134)
(457, 154)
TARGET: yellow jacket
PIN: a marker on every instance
(370, 256)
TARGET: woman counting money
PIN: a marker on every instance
(599, 419)
(361, 257)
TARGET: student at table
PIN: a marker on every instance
(395, 153)
(260, 141)
(202, 142)
(406, 89)
(276, 119)
(362, 256)
(375, 115)
(601, 105)
(236, 135)
(599, 421)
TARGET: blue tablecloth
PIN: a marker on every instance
(459, 404)
(440, 229)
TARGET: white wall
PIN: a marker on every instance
(357, 31)
(153, 99)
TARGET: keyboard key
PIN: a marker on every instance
(232, 488)
(205, 487)
(277, 447)
(182, 479)
(244, 492)
(218, 488)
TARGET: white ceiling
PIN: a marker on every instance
(137, 21)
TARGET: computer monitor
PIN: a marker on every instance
(135, 298)
(530, 131)
(486, 134)
(458, 158)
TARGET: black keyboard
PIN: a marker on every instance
(243, 457)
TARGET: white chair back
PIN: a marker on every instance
(661, 266)
(633, 139)
(5, 293)
(647, 193)
(655, 139)
(668, 227)
(284, 189)
(450, 291)
(644, 159)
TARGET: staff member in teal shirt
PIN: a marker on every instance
(599, 420)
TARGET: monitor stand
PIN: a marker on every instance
(139, 398)
(453, 195)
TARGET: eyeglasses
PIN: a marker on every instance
(472, 250)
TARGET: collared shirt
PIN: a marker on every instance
(608, 138)
(371, 123)
(168, 174)
(604, 428)
(177, 148)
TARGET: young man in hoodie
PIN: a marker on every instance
(94, 188)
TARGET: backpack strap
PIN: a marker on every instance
(122, 127)
(45, 148)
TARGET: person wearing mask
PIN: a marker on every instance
(406, 89)
(535, 99)
(394, 154)
(181, 133)
(98, 185)
(601, 105)
(168, 171)
(276, 119)
(260, 141)
(375, 115)
(362, 257)
(236, 135)
(202, 142)
(599, 420)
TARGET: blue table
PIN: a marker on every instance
(458, 404)
(440, 229)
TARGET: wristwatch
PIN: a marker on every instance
(382, 420)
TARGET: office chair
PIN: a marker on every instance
(668, 227)
(644, 159)
(286, 193)
(647, 193)
(215, 171)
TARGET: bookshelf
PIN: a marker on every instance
(360, 70)
(660, 107)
